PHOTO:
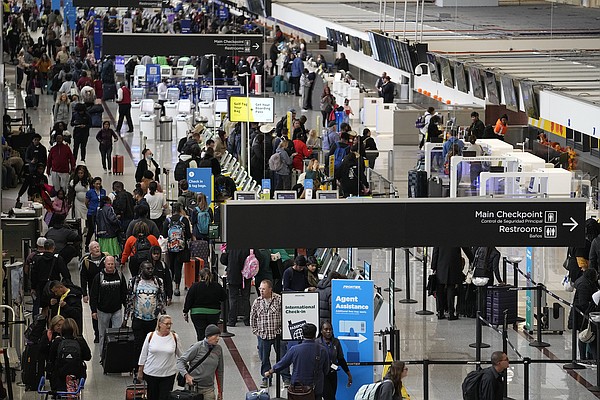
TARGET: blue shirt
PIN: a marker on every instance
(450, 142)
(94, 200)
(306, 371)
(297, 67)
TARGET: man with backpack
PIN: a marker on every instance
(187, 198)
(177, 231)
(123, 204)
(488, 383)
(89, 267)
(340, 149)
(67, 302)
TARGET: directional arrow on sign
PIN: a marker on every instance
(361, 338)
(256, 46)
(572, 224)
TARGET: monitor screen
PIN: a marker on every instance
(335, 262)
(491, 87)
(367, 270)
(510, 95)
(446, 72)
(206, 95)
(476, 83)
(221, 106)
(327, 194)
(172, 94)
(461, 78)
(373, 46)
(244, 196)
(529, 100)
(320, 252)
(147, 106)
(326, 259)
(137, 93)
(434, 69)
(366, 48)
(343, 267)
(286, 195)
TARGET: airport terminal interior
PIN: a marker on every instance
(536, 61)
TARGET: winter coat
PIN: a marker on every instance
(107, 223)
(447, 262)
(234, 260)
(324, 290)
(584, 289)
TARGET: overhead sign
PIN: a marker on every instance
(262, 109)
(411, 222)
(352, 319)
(200, 180)
(223, 92)
(183, 45)
(127, 25)
(297, 309)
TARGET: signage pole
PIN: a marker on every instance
(407, 300)
(424, 311)
(393, 271)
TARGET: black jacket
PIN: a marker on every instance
(234, 259)
(352, 175)
(204, 295)
(123, 205)
(88, 269)
(584, 289)
(42, 270)
(163, 272)
(324, 290)
(73, 307)
(447, 262)
(490, 387)
(58, 373)
(62, 235)
(81, 119)
(108, 292)
(107, 223)
(143, 167)
(36, 154)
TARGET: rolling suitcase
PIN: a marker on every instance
(136, 392)
(283, 86)
(276, 83)
(185, 395)
(32, 368)
(191, 271)
(109, 91)
(434, 187)
(30, 101)
(117, 165)
(259, 395)
(417, 183)
(119, 351)
(499, 299)
(199, 248)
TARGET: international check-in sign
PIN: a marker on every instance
(352, 319)
(298, 309)
(200, 180)
(261, 109)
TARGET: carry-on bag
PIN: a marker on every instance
(109, 91)
(417, 183)
(136, 391)
(199, 248)
(191, 271)
(32, 368)
(185, 395)
(119, 351)
(118, 165)
(499, 299)
(259, 395)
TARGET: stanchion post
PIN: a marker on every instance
(396, 344)
(515, 274)
(277, 358)
(224, 332)
(426, 379)
(596, 388)
(478, 338)
(478, 327)
(538, 342)
(526, 365)
(393, 272)
(504, 268)
(424, 311)
(574, 343)
(407, 300)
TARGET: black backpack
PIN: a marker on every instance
(470, 386)
(181, 169)
(142, 250)
(488, 132)
(68, 357)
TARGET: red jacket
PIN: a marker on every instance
(60, 159)
(302, 152)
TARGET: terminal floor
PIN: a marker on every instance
(421, 336)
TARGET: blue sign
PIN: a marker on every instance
(98, 27)
(308, 184)
(352, 319)
(367, 268)
(223, 92)
(153, 74)
(200, 180)
(266, 184)
(223, 13)
(55, 4)
(529, 293)
(120, 64)
(186, 26)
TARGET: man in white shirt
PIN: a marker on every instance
(162, 94)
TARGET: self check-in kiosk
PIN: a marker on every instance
(137, 95)
(171, 105)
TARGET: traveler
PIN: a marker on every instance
(340, 149)
(35, 153)
(157, 202)
(108, 294)
(336, 357)
(60, 164)
(187, 199)
(177, 230)
(123, 204)
(379, 83)
(63, 236)
(341, 63)
(157, 364)
(209, 161)
(452, 141)
(477, 127)
(388, 90)
(259, 157)
(265, 321)
(501, 127)
(66, 301)
(475, 167)
(49, 336)
(67, 356)
(105, 138)
(592, 235)
(312, 271)
(202, 378)
(392, 387)
(46, 266)
(161, 270)
(142, 210)
(145, 302)
(239, 287)
(486, 264)
(124, 101)
(491, 386)
(448, 264)
(81, 123)
(324, 289)
(585, 286)
(203, 302)
(79, 185)
(281, 169)
(296, 278)
(351, 174)
(92, 201)
(202, 217)
(433, 130)
(301, 152)
(108, 228)
(326, 105)
(137, 247)
(145, 164)
(311, 363)
(368, 144)
(91, 264)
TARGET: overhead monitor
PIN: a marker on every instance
(373, 46)
(447, 76)
(137, 94)
(320, 252)
(335, 262)
(366, 48)
(434, 69)
(460, 77)
(477, 87)
(529, 101)
(286, 195)
(206, 94)
(147, 106)
(509, 93)
(491, 88)
(244, 195)
(328, 194)
(343, 268)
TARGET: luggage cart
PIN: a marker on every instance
(77, 394)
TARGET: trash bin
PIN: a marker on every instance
(166, 129)
(157, 112)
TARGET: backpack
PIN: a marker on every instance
(420, 122)
(181, 169)
(339, 154)
(142, 250)
(369, 391)
(275, 162)
(202, 221)
(470, 386)
(251, 266)
(175, 236)
(68, 356)
(190, 204)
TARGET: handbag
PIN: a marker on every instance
(431, 285)
(587, 335)
(181, 378)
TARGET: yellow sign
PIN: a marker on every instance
(549, 126)
(331, 165)
(261, 109)
(388, 359)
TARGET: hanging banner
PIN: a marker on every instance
(98, 27)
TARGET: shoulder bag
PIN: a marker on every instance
(181, 378)
(306, 392)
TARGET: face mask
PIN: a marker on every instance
(148, 158)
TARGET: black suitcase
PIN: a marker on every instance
(466, 304)
(434, 187)
(32, 368)
(185, 395)
(119, 351)
(500, 299)
(30, 101)
(417, 183)
(109, 91)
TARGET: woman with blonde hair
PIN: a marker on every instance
(62, 109)
(158, 359)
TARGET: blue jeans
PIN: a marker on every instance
(264, 352)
